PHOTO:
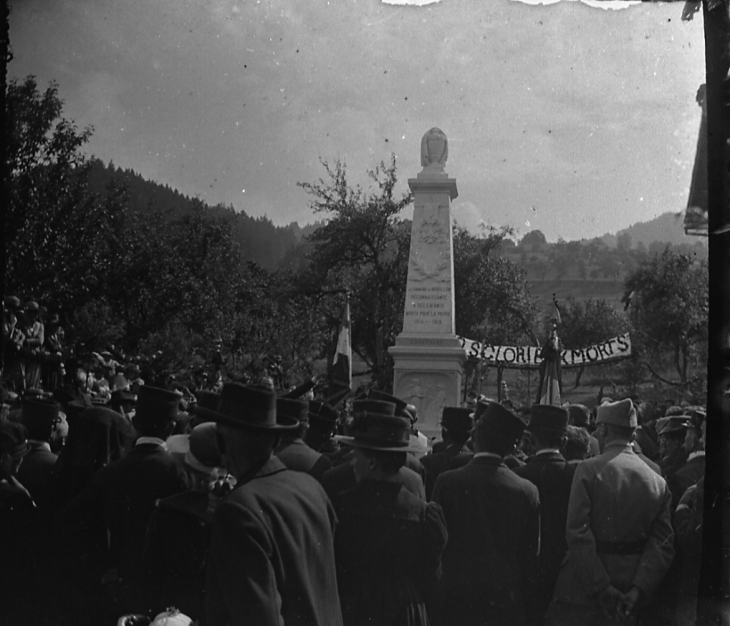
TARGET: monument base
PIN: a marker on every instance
(427, 374)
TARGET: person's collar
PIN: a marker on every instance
(617, 444)
(548, 451)
(491, 455)
(39, 445)
(152, 440)
(694, 455)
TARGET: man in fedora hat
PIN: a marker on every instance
(456, 425)
(322, 426)
(292, 450)
(548, 470)
(493, 519)
(122, 495)
(619, 531)
(389, 541)
(271, 558)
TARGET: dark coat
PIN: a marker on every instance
(176, 551)
(298, 456)
(122, 497)
(342, 478)
(493, 519)
(689, 474)
(271, 558)
(388, 552)
(453, 457)
(553, 476)
(36, 474)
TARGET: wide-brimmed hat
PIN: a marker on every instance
(672, 424)
(157, 405)
(697, 415)
(12, 303)
(502, 422)
(203, 453)
(254, 408)
(39, 412)
(549, 418)
(621, 413)
(31, 305)
(457, 418)
(295, 408)
(205, 405)
(384, 432)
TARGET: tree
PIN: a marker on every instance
(532, 238)
(363, 247)
(589, 322)
(669, 308)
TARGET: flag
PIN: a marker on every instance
(556, 314)
(340, 376)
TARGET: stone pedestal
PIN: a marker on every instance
(428, 358)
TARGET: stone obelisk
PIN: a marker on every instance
(428, 358)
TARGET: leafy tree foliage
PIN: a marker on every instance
(669, 307)
(533, 237)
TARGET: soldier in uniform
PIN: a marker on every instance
(389, 541)
(456, 425)
(493, 519)
(548, 470)
(671, 432)
(619, 531)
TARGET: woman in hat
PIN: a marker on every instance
(389, 541)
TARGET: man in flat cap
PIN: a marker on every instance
(271, 558)
(671, 431)
(389, 541)
(122, 496)
(548, 470)
(456, 426)
(619, 531)
(292, 450)
(493, 519)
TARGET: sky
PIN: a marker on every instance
(573, 120)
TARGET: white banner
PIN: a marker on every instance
(508, 356)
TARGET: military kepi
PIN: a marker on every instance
(621, 413)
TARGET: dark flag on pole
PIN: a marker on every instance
(551, 384)
(340, 375)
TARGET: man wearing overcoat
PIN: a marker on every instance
(493, 520)
(619, 531)
(271, 558)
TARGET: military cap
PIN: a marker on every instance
(672, 424)
(501, 421)
(621, 413)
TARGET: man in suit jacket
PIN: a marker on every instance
(271, 558)
(389, 541)
(493, 519)
(36, 472)
(293, 451)
(693, 469)
(553, 476)
(121, 496)
(619, 531)
(456, 425)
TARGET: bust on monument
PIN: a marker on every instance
(434, 151)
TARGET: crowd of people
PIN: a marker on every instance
(239, 505)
